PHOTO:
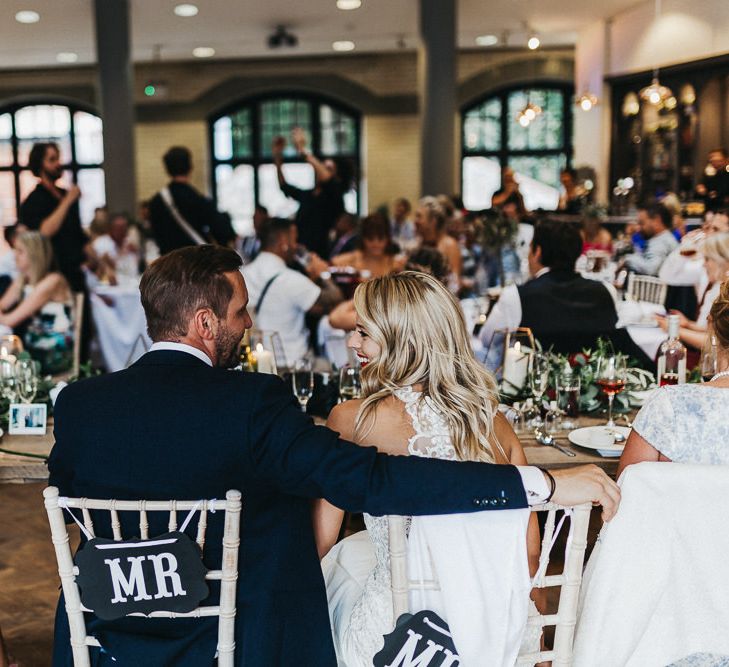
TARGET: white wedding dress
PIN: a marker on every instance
(357, 570)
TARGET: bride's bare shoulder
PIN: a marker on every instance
(341, 418)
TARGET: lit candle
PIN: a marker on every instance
(5, 356)
(516, 366)
(265, 360)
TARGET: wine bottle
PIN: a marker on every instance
(672, 356)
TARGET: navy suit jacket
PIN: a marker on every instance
(170, 426)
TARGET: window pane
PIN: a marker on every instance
(270, 195)
(234, 187)
(538, 179)
(482, 127)
(241, 134)
(8, 211)
(6, 146)
(546, 130)
(89, 138)
(93, 195)
(481, 178)
(338, 132)
(279, 117)
(43, 122)
(222, 139)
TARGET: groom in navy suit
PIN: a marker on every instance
(178, 424)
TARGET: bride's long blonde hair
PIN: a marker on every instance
(421, 332)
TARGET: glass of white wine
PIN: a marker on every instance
(349, 383)
(302, 381)
(26, 379)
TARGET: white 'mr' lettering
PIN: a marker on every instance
(170, 572)
(121, 583)
(406, 656)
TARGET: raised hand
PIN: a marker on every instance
(73, 193)
(298, 136)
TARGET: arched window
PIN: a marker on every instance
(243, 171)
(493, 137)
(78, 134)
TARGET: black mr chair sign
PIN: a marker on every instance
(117, 578)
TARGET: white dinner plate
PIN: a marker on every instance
(583, 438)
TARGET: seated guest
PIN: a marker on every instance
(572, 197)
(346, 239)
(687, 422)
(716, 261)
(281, 296)
(594, 235)
(714, 185)
(564, 310)
(118, 251)
(375, 256)
(431, 220)
(402, 227)
(655, 223)
(40, 296)
(8, 270)
(250, 246)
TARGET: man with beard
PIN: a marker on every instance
(179, 425)
(54, 212)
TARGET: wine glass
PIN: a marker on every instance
(302, 380)
(7, 380)
(611, 377)
(349, 383)
(709, 360)
(26, 379)
(538, 377)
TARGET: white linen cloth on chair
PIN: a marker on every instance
(480, 564)
(655, 588)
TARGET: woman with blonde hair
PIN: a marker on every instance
(716, 262)
(41, 297)
(424, 394)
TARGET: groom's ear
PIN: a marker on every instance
(204, 324)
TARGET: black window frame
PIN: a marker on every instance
(74, 166)
(257, 159)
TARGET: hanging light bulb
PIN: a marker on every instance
(533, 42)
(655, 93)
(586, 101)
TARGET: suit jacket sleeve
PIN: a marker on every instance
(299, 458)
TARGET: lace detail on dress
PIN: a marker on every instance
(432, 438)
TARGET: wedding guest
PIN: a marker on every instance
(430, 221)
(375, 256)
(8, 270)
(118, 251)
(192, 429)
(565, 311)
(594, 235)
(687, 423)
(320, 207)
(40, 296)
(424, 394)
(250, 246)
(346, 238)
(281, 296)
(655, 223)
(671, 201)
(402, 226)
(571, 197)
(509, 193)
(716, 261)
(714, 185)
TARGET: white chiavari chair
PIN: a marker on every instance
(646, 288)
(227, 575)
(569, 580)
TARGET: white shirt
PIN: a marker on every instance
(181, 347)
(535, 486)
(286, 302)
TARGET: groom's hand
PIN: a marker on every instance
(586, 484)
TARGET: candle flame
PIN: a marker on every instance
(517, 347)
(3, 351)
(259, 347)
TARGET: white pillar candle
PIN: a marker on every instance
(516, 366)
(265, 360)
(5, 356)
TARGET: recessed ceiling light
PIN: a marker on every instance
(487, 40)
(349, 4)
(343, 45)
(533, 42)
(203, 52)
(186, 10)
(27, 16)
(66, 57)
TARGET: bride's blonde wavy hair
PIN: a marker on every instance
(421, 332)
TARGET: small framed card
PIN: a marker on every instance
(27, 419)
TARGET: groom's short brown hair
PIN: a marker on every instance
(183, 281)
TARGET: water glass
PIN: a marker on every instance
(7, 380)
(568, 399)
(539, 377)
(302, 381)
(349, 383)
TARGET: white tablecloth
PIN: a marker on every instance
(121, 327)
(638, 318)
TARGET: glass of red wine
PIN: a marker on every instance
(611, 377)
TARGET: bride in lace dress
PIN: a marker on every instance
(424, 395)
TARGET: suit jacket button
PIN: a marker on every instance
(494, 501)
(504, 501)
(476, 502)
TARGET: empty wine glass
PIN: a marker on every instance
(349, 383)
(26, 379)
(302, 380)
(611, 377)
(709, 360)
(538, 377)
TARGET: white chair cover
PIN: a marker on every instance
(655, 590)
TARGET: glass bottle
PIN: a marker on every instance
(672, 356)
